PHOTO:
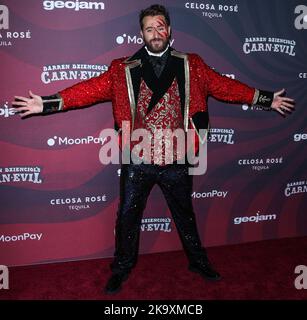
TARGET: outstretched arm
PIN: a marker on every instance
(84, 93)
(226, 89)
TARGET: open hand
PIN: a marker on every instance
(282, 104)
(27, 106)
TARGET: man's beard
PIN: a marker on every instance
(157, 45)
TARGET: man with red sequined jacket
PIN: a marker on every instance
(157, 88)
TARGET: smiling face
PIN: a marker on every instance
(155, 33)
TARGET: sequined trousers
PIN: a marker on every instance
(136, 182)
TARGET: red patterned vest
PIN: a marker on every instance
(166, 114)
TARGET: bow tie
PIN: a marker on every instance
(157, 60)
(158, 63)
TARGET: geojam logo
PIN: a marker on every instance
(256, 218)
(73, 5)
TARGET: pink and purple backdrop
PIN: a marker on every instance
(58, 202)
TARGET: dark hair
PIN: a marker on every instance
(154, 10)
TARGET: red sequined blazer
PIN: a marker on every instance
(120, 84)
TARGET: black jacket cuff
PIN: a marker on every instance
(263, 98)
(52, 103)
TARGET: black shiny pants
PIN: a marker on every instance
(136, 182)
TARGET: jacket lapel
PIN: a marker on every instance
(183, 78)
(158, 86)
(133, 79)
(177, 66)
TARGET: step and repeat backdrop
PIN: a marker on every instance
(59, 203)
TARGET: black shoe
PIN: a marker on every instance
(114, 283)
(206, 270)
